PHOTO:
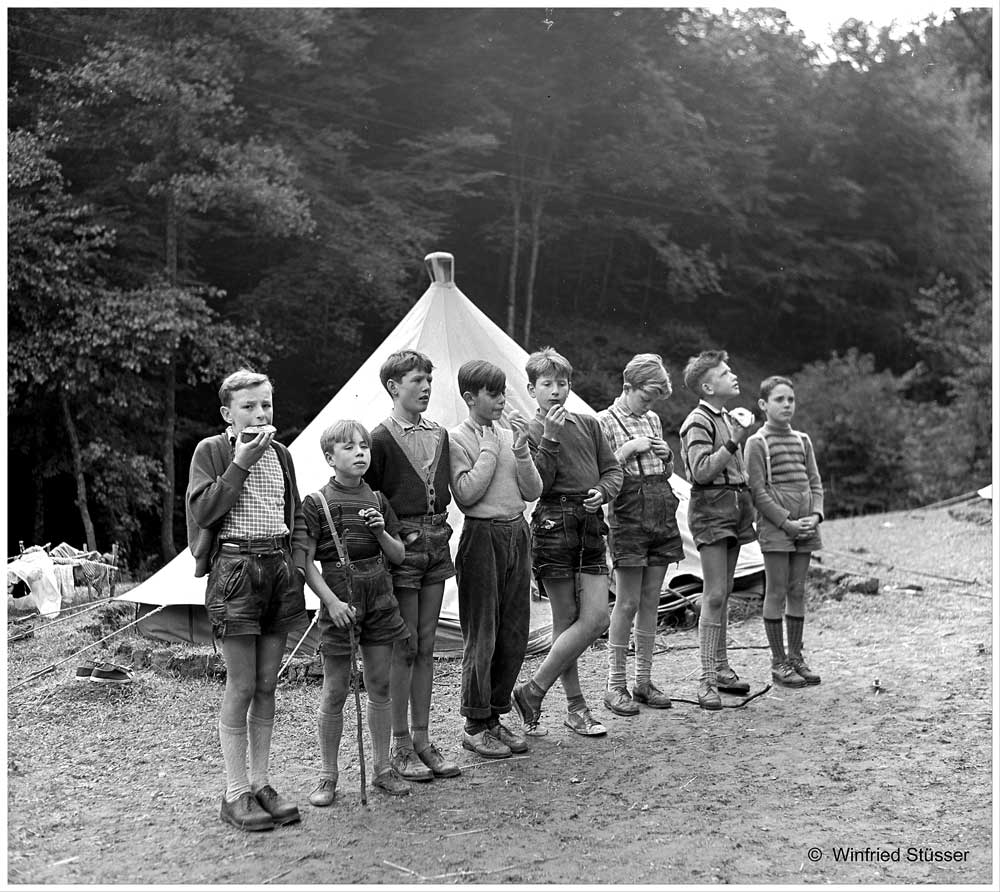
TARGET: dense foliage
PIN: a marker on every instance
(190, 188)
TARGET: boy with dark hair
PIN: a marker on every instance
(492, 477)
(246, 531)
(579, 474)
(720, 511)
(410, 465)
(353, 533)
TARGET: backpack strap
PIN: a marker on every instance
(321, 502)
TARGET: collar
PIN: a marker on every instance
(621, 404)
(712, 409)
(336, 484)
(405, 426)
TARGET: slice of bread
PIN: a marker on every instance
(250, 433)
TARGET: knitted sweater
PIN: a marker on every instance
(582, 458)
(214, 485)
(491, 481)
(793, 463)
(392, 473)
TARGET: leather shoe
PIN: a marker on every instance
(324, 793)
(619, 701)
(800, 667)
(281, 810)
(408, 766)
(786, 676)
(515, 741)
(388, 781)
(438, 764)
(245, 813)
(708, 696)
(485, 745)
(650, 695)
(729, 682)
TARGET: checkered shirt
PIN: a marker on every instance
(260, 508)
(645, 425)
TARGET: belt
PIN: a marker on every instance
(507, 520)
(256, 544)
(432, 519)
(735, 487)
(363, 564)
(571, 498)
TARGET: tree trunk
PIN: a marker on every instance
(168, 548)
(38, 531)
(515, 251)
(529, 294)
(76, 456)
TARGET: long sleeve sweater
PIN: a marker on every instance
(582, 458)
(707, 461)
(214, 485)
(392, 473)
(792, 462)
(491, 480)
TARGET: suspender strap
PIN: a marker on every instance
(320, 500)
(628, 436)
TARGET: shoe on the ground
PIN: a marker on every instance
(324, 793)
(245, 813)
(438, 764)
(84, 671)
(727, 681)
(619, 701)
(786, 676)
(650, 695)
(109, 673)
(581, 721)
(280, 809)
(708, 696)
(389, 781)
(800, 667)
(516, 742)
(485, 745)
(408, 766)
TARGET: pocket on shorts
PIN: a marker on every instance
(383, 598)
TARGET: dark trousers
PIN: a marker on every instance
(493, 564)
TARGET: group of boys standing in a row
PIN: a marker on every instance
(378, 529)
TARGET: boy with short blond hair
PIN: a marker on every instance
(493, 478)
(246, 531)
(579, 474)
(410, 464)
(644, 537)
(720, 511)
(353, 532)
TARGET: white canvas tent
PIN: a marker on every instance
(446, 326)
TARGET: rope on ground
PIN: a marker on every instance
(297, 646)
(743, 702)
(71, 613)
(52, 667)
(954, 500)
(879, 563)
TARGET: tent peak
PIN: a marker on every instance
(441, 267)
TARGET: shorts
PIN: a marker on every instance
(653, 542)
(798, 502)
(254, 594)
(566, 539)
(376, 612)
(428, 553)
(724, 513)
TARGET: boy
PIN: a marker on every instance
(246, 530)
(352, 531)
(410, 464)
(492, 477)
(720, 512)
(644, 536)
(579, 474)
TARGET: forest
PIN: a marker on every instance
(191, 188)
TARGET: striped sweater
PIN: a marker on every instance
(792, 463)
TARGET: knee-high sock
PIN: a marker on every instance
(708, 642)
(644, 643)
(721, 653)
(331, 728)
(794, 625)
(380, 729)
(259, 731)
(776, 639)
(234, 754)
(617, 660)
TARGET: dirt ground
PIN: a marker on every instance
(121, 785)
